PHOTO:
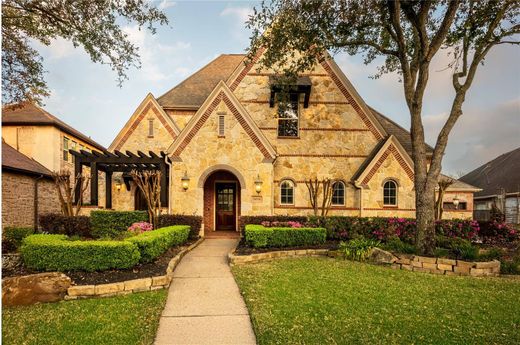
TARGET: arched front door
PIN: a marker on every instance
(221, 201)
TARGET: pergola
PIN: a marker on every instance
(118, 162)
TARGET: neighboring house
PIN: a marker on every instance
(237, 150)
(44, 138)
(499, 180)
(27, 189)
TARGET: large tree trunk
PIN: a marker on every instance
(425, 217)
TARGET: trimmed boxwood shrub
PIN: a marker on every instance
(56, 253)
(259, 236)
(55, 223)
(151, 244)
(112, 223)
(194, 222)
(15, 235)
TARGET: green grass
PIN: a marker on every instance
(129, 319)
(327, 301)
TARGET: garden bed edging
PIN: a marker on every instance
(242, 259)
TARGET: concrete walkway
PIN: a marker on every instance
(204, 304)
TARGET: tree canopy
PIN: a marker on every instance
(94, 25)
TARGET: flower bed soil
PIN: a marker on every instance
(156, 268)
(244, 249)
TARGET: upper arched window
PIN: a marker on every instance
(338, 193)
(287, 192)
(390, 193)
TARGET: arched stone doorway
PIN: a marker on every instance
(221, 201)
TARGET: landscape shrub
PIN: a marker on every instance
(498, 232)
(194, 222)
(15, 235)
(109, 224)
(459, 248)
(140, 227)
(245, 220)
(358, 249)
(57, 253)
(259, 236)
(395, 244)
(55, 223)
(151, 244)
(459, 228)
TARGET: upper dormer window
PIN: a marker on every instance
(65, 149)
(288, 116)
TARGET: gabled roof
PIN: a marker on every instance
(221, 92)
(148, 102)
(29, 114)
(501, 172)
(399, 132)
(14, 160)
(193, 91)
(458, 185)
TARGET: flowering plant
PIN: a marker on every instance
(140, 227)
(289, 224)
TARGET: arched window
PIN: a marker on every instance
(390, 193)
(287, 192)
(338, 193)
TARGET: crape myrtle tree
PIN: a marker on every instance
(405, 35)
(94, 25)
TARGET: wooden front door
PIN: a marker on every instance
(225, 206)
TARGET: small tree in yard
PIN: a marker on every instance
(443, 184)
(314, 187)
(66, 187)
(407, 34)
(149, 182)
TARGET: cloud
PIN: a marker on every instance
(479, 135)
(166, 4)
(240, 13)
(154, 53)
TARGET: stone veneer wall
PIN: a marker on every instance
(18, 199)
(447, 266)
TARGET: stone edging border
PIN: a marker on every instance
(242, 259)
(130, 286)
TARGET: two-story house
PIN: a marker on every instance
(236, 149)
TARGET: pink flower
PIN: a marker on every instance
(140, 227)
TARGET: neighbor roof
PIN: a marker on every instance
(501, 172)
(458, 184)
(28, 114)
(16, 161)
(193, 91)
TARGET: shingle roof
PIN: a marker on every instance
(193, 91)
(501, 172)
(399, 132)
(28, 114)
(458, 184)
(15, 161)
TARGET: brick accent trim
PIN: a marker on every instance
(324, 129)
(351, 100)
(341, 208)
(139, 119)
(222, 97)
(390, 150)
(312, 155)
(255, 101)
(388, 209)
(245, 70)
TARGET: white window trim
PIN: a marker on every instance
(294, 192)
(278, 119)
(396, 193)
(344, 194)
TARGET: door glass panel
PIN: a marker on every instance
(225, 199)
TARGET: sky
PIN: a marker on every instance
(86, 95)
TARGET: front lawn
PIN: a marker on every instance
(327, 301)
(130, 319)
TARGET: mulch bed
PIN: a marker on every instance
(244, 249)
(156, 268)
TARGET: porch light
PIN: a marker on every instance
(456, 201)
(185, 181)
(118, 184)
(258, 184)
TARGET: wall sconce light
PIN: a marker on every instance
(258, 184)
(185, 181)
(118, 184)
(456, 202)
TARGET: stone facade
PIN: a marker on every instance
(18, 194)
(337, 136)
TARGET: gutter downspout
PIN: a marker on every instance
(36, 201)
(356, 184)
(170, 173)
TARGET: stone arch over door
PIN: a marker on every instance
(221, 200)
